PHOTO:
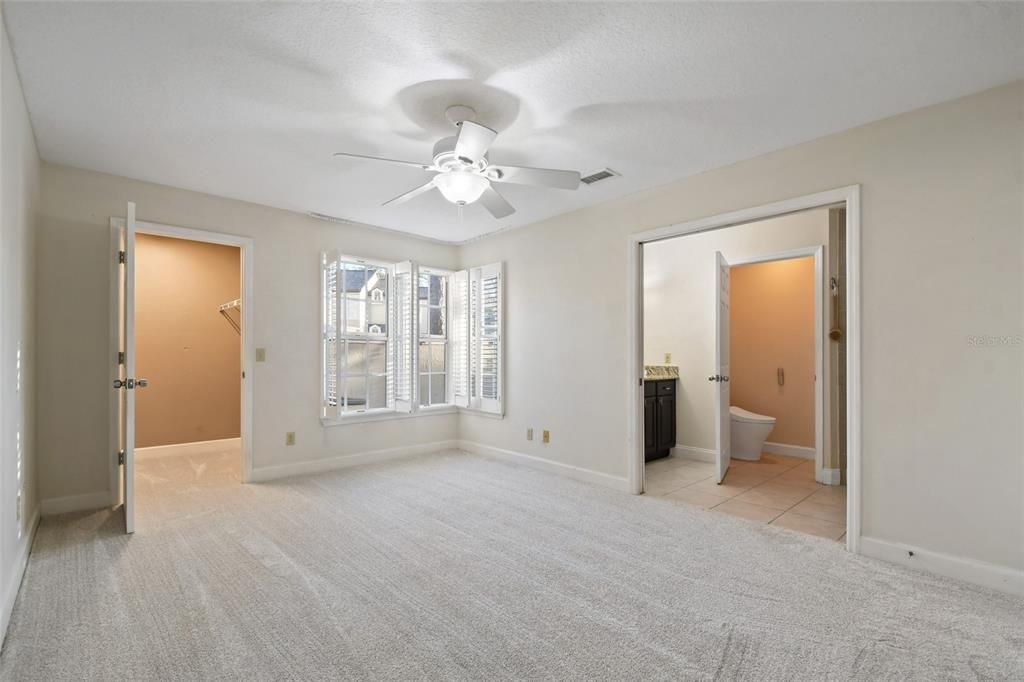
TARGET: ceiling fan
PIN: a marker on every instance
(464, 175)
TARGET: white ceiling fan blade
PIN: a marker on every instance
(540, 177)
(422, 166)
(496, 204)
(411, 194)
(474, 140)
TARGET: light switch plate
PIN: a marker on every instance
(547, 436)
(261, 355)
(529, 434)
(289, 438)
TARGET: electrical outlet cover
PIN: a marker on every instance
(529, 434)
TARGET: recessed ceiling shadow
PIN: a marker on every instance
(425, 103)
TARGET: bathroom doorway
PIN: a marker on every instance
(777, 353)
(769, 387)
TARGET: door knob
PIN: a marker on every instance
(720, 379)
(130, 383)
(714, 377)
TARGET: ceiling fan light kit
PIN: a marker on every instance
(461, 187)
(464, 174)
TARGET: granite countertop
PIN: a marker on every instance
(658, 372)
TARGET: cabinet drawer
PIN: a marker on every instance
(666, 388)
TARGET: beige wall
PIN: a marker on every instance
(19, 203)
(771, 326)
(942, 262)
(942, 257)
(680, 302)
(74, 238)
(188, 352)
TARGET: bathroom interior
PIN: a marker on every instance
(786, 438)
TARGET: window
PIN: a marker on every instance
(476, 365)
(485, 356)
(432, 300)
(400, 338)
(357, 337)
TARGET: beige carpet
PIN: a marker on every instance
(456, 567)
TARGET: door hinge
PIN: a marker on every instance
(122, 257)
(120, 457)
(120, 357)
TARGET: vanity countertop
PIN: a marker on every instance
(661, 372)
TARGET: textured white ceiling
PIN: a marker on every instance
(250, 100)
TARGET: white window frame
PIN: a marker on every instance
(448, 276)
(336, 413)
(463, 335)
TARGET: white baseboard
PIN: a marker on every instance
(71, 503)
(10, 590)
(830, 477)
(197, 448)
(317, 466)
(790, 450)
(548, 465)
(690, 452)
(1001, 578)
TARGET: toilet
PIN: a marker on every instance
(747, 433)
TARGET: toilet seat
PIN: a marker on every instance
(741, 415)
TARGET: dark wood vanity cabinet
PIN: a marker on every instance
(659, 418)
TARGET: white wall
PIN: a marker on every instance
(679, 305)
(74, 242)
(942, 256)
(19, 181)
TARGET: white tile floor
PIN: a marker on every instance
(776, 490)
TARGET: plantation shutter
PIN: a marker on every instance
(474, 338)
(489, 338)
(329, 301)
(404, 338)
(459, 335)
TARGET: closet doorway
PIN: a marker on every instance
(189, 325)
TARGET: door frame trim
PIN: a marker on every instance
(245, 246)
(818, 253)
(850, 196)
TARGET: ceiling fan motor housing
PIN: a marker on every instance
(445, 158)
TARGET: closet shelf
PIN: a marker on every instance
(226, 309)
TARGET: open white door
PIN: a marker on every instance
(721, 375)
(124, 381)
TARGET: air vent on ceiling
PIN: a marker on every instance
(330, 218)
(600, 175)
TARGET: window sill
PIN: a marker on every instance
(482, 413)
(432, 409)
(386, 415)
